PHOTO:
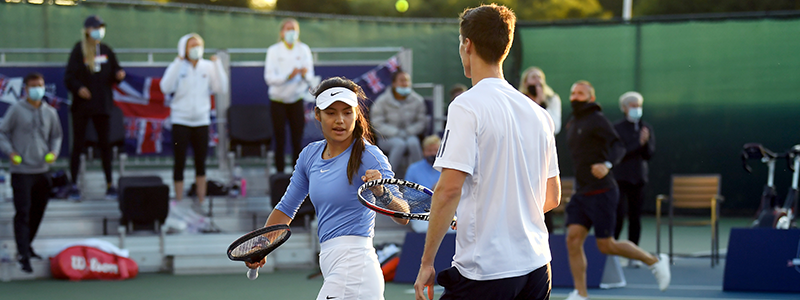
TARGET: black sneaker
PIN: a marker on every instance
(111, 193)
(35, 255)
(26, 265)
(74, 193)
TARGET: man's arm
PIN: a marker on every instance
(6, 127)
(443, 208)
(553, 193)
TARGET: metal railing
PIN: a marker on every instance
(151, 53)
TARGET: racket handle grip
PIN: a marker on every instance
(252, 274)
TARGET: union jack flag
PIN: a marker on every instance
(146, 112)
(392, 64)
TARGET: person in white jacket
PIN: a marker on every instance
(192, 79)
(288, 68)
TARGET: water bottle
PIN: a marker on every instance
(6, 263)
(238, 177)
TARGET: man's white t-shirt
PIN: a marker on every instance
(505, 142)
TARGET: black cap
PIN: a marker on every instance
(93, 21)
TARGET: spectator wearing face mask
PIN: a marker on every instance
(92, 71)
(288, 69)
(398, 116)
(534, 85)
(631, 173)
(192, 79)
(30, 134)
(423, 173)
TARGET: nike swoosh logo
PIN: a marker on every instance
(329, 297)
(334, 94)
(323, 171)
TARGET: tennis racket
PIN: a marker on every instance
(397, 198)
(254, 246)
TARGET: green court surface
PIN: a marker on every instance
(693, 278)
(286, 284)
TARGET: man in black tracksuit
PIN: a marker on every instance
(595, 149)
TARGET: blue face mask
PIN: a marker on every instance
(404, 91)
(36, 93)
(634, 114)
(98, 34)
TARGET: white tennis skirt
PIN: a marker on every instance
(351, 269)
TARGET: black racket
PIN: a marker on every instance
(398, 198)
(254, 246)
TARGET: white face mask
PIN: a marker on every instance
(634, 114)
(290, 36)
(196, 53)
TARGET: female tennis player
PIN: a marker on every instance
(329, 171)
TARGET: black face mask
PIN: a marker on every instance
(430, 159)
(578, 105)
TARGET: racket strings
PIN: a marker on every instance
(258, 243)
(404, 199)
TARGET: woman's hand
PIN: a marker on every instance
(257, 264)
(371, 175)
(84, 93)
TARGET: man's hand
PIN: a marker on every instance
(425, 279)
(84, 93)
(214, 58)
(644, 136)
(120, 75)
(599, 170)
(15, 158)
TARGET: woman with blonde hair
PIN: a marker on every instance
(192, 79)
(532, 83)
(92, 71)
(288, 68)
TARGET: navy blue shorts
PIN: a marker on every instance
(534, 286)
(599, 210)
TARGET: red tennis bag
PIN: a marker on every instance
(84, 262)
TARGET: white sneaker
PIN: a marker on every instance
(660, 270)
(635, 264)
(575, 296)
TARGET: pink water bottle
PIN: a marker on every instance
(243, 189)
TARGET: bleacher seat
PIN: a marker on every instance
(143, 202)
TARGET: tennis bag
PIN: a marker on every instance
(84, 262)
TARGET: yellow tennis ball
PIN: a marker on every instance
(49, 158)
(17, 159)
(401, 6)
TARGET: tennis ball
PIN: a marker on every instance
(401, 6)
(49, 158)
(17, 159)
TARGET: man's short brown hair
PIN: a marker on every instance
(490, 28)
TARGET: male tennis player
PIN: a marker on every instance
(499, 171)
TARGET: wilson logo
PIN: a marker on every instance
(79, 263)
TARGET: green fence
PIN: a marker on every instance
(709, 87)
(149, 25)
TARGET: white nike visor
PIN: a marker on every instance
(334, 94)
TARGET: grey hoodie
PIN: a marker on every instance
(32, 133)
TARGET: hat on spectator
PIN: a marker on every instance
(93, 21)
